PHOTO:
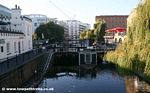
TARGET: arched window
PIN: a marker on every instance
(115, 40)
(120, 40)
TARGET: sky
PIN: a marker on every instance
(82, 10)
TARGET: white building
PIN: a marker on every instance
(115, 37)
(119, 37)
(75, 28)
(39, 19)
(66, 28)
(16, 36)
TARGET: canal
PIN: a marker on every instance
(103, 78)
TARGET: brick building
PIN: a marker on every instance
(113, 21)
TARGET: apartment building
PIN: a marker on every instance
(75, 28)
(66, 28)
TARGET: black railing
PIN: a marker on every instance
(14, 62)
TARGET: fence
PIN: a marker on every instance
(13, 62)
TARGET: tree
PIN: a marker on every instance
(96, 34)
(51, 31)
(134, 52)
(88, 34)
(99, 30)
(82, 35)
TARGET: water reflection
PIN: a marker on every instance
(76, 72)
(96, 80)
(135, 85)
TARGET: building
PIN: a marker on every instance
(115, 35)
(15, 32)
(5, 16)
(66, 28)
(75, 28)
(113, 21)
(37, 20)
(119, 37)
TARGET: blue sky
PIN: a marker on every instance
(83, 10)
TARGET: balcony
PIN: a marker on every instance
(6, 31)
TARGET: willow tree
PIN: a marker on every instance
(82, 35)
(88, 34)
(96, 34)
(99, 30)
(134, 53)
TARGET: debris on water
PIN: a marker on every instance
(104, 62)
(69, 91)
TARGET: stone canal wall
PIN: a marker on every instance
(22, 74)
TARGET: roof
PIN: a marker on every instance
(4, 23)
(4, 7)
(5, 11)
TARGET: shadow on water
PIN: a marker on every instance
(65, 76)
(103, 78)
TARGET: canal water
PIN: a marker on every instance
(104, 78)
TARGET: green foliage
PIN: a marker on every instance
(51, 31)
(137, 65)
(87, 34)
(95, 34)
(82, 35)
(134, 52)
(99, 30)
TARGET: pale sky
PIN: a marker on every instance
(82, 10)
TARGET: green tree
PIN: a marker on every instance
(134, 52)
(99, 30)
(82, 35)
(96, 34)
(88, 34)
(51, 31)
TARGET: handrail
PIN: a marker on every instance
(47, 62)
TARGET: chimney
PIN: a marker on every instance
(15, 6)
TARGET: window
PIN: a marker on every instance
(115, 40)
(29, 44)
(28, 30)
(8, 47)
(2, 49)
(35, 24)
(15, 48)
(22, 46)
(2, 41)
(120, 40)
(3, 27)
